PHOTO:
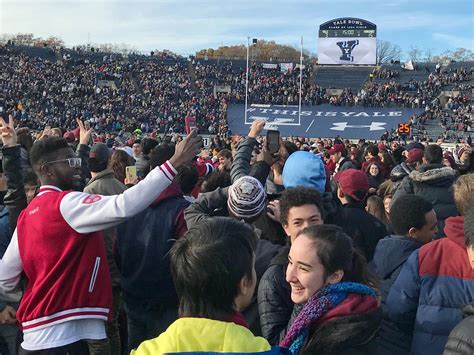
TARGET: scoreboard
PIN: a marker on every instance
(347, 41)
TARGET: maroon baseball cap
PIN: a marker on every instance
(415, 155)
(353, 183)
(336, 148)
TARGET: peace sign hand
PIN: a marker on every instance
(8, 133)
(84, 133)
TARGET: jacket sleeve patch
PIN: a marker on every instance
(89, 200)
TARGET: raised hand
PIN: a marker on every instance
(7, 130)
(256, 128)
(84, 133)
(273, 211)
(187, 149)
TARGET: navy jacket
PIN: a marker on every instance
(390, 255)
(434, 284)
(143, 243)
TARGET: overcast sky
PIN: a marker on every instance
(187, 26)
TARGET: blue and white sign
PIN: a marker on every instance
(323, 121)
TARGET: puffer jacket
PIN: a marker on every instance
(461, 339)
(433, 182)
(274, 299)
(435, 282)
(390, 255)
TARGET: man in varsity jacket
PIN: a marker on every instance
(58, 246)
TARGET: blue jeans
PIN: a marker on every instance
(146, 321)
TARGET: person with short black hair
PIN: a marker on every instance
(414, 223)
(213, 268)
(149, 296)
(300, 207)
(432, 181)
(187, 179)
(435, 282)
(62, 249)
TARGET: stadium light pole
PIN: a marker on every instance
(247, 79)
(301, 80)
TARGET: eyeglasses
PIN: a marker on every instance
(73, 162)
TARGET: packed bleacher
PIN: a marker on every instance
(121, 235)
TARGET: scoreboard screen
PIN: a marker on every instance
(347, 41)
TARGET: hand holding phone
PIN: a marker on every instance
(273, 141)
(131, 173)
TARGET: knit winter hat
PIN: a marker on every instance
(246, 198)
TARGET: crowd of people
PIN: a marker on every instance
(153, 94)
(159, 245)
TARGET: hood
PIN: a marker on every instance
(391, 252)
(354, 304)
(434, 175)
(171, 191)
(400, 171)
(454, 230)
(304, 169)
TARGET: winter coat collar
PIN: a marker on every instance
(432, 173)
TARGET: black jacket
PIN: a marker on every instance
(461, 338)
(390, 255)
(433, 182)
(15, 198)
(364, 229)
(274, 299)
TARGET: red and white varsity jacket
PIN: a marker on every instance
(58, 245)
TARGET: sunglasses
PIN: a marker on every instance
(73, 162)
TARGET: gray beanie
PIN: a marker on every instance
(246, 198)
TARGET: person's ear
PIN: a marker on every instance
(45, 170)
(340, 194)
(412, 232)
(286, 229)
(335, 277)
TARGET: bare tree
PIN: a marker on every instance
(387, 51)
(415, 54)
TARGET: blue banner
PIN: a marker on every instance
(323, 121)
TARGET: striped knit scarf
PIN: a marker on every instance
(326, 299)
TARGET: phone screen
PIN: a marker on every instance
(273, 141)
(131, 173)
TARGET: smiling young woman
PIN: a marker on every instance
(329, 279)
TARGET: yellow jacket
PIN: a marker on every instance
(203, 335)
